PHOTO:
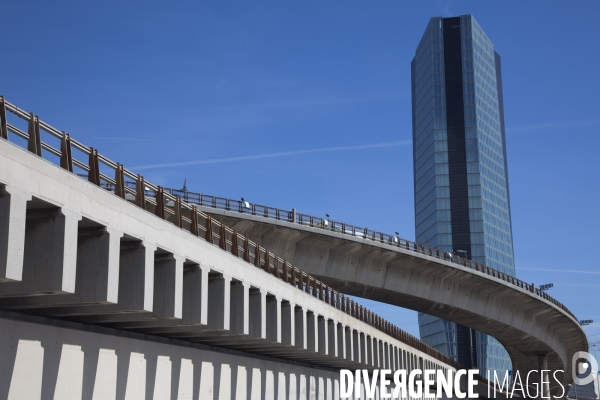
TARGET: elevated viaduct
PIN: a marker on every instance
(141, 270)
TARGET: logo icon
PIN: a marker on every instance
(585, 369)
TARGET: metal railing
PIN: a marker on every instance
(352, 230)
(180, 209)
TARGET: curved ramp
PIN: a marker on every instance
(526, 323)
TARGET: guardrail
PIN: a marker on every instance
(181, 211)
(352, 230)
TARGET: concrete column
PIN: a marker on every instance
(98, 251)
(219, 288)
(332, 338)
(239, 316)
(273, 319)
(349, 345)
(112, 275)
(136, 276)
(322, 332)
(288, 331)
(364, 354)
(168, 286)
(258, 313)
(312, 336)
(342, 345)
(301, 327)
(544, 376)
(13, 207)
(50, 254)
(97, 273)
(370, 358)
(195, 295)
(356, 346)
(387, 355)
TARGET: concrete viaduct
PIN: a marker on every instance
(534, 328)
(139, 274)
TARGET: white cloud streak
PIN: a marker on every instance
(146, 140)
(570, 271)
(551, 125)
(272, 155)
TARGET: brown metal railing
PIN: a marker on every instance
(180, 209)
(352, 230)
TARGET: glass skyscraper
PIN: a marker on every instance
(460, 172)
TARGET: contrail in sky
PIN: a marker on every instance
(271, 155)
(147, 140)
(560, 270)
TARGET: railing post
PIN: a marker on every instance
(194, 221)
(257, 255)
(267, 266)
(160, 203)
(66, 160)
(177, 219)
(209, 234)
(234, 243)
(94, 171)
(140, 192)
(246, 250)
(34, 143)
(222, 239)
(293, 215)
(3, 128)
(119, 179)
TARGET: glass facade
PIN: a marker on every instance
(460, 170)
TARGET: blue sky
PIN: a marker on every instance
(307, 105)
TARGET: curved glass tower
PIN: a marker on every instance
(461, 178)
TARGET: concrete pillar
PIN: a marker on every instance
(348, 340)
(219, 288)
(195, 294)
(98, 252)
(96, 277)
(388, 356)
(288, 331)
(364, 354)
(356, 347)
(13, 207)
(168, 286)
(342, 344)
(136, 276)
(258, 313)
(50, 254)
(240, 314)
(369, 350)
(273, 319)
(544, 376)
(312, 336)
(301, 327)
(332, 338)
(322, 332)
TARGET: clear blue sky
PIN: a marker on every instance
(152, 83)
